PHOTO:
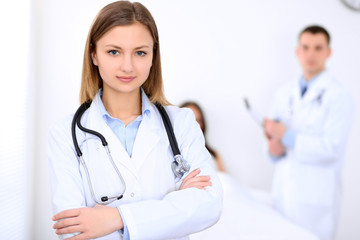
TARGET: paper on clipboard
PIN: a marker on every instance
(255, 114)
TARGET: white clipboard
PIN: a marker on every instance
(255, 114)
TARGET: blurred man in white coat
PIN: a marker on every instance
(307, 131)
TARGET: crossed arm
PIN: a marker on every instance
(102, 220)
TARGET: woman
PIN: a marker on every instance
(139, 195)
(199, 116)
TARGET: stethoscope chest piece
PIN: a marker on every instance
(180, 166)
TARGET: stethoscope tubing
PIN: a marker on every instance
(179, 165)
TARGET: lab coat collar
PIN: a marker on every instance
(147, 138)
(318, 87)
(315, 91)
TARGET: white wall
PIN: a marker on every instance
(15, 121)
(214, 52)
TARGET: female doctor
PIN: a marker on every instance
(130, 191)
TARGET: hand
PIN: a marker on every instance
(90, 222)
(274, 129)
(192, 180)
(276, 149)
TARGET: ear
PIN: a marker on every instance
(94, 58)
(297, 51)
(329, 52)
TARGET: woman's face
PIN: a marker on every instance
(124, 57)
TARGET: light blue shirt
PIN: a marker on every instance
(126, 134)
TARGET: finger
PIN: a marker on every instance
(70, 229)
(199, 179)
(195, 180)
(200, 185)
(191, 175)
(268, 122)
(66, 223)
(267, 136)
(66, 214)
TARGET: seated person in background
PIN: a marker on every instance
(201, 120)
(244, 215)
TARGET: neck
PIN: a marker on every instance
(308, 75)
(124, 106)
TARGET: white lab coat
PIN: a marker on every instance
(152, 206)
(307, 184)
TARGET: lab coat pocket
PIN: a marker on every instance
(316, 185)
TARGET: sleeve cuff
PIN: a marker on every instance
(276, 158)
(289, 138)
(125, 230)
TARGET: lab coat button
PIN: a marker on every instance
(132, 194)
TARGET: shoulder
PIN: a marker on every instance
(62, 124)
(180, 116)
(178, 113)
(183, 120)
(59, 133)
(337, 91)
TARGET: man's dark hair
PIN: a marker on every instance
(315, 29)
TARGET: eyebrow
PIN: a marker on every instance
(117, 47)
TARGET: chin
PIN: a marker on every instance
(312, 70)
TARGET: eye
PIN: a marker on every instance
(140, 53)
(113, 52)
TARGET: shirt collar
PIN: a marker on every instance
(303, 83)
(145, 106)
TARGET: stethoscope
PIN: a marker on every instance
(179, 166)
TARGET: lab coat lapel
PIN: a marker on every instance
(317, 89)
(302, 105)
(96, 122)
(148, 136)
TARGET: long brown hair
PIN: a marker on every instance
(121, 13)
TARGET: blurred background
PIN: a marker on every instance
(213, 52)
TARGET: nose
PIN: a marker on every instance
(127, 63)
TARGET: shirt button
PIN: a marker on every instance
(132, 194)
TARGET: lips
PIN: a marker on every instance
(125, 79)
